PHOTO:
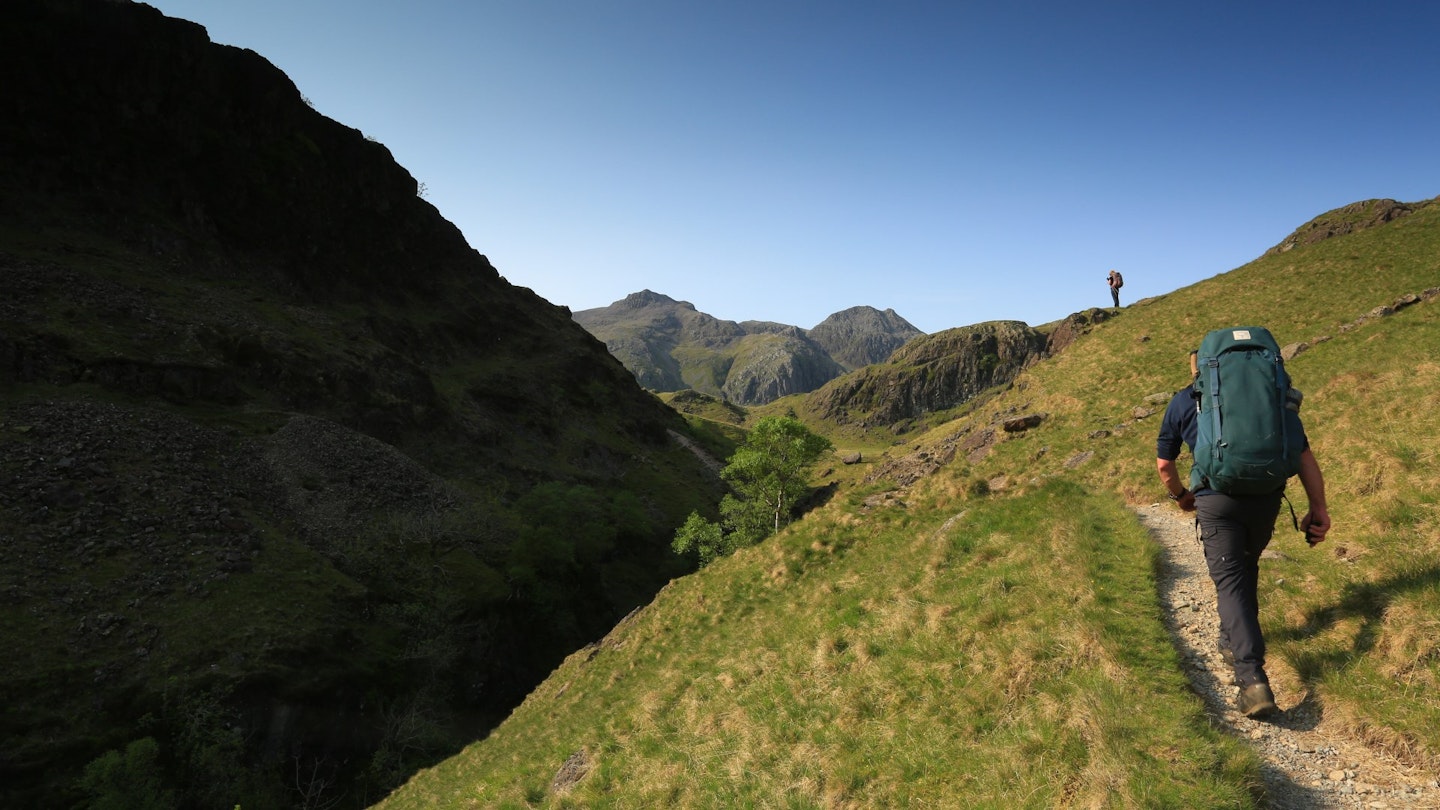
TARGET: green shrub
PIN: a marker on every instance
(127, 780)
(704, 538)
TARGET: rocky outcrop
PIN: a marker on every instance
(1075, 325)
(932, 373)
(1347, 219)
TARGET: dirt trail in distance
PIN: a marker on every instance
(1307, 763)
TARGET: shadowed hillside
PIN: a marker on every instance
(989, 633)
(296, 493)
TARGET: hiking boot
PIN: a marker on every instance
(1256, 700)
(1225, 654)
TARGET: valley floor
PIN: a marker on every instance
(1308, 763)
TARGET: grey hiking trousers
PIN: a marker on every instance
(1234, 530)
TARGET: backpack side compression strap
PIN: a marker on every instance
(1217, 437)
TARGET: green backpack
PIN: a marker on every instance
(1248, 437)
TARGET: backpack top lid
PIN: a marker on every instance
(1220, 341)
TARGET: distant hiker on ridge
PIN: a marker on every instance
(1246, 445)
(1116, 282)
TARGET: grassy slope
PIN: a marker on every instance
(1007, 651)
(932, 655)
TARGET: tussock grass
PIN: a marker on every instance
(1006, 649)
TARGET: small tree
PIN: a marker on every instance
(771, 469)
(769, 473)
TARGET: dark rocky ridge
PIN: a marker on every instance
(255, 392)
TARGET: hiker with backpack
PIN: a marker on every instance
(1241, 419)
(1116, 281)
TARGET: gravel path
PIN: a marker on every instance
(1306, 763)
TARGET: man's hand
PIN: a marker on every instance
(1186, 502)
(1317, 521)
(1315, 524)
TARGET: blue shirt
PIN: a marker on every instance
(1178, 425)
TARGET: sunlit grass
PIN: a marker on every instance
(993, 653)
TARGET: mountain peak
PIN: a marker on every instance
(649, 298)
(860, 336)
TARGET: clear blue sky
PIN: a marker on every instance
(786, 159)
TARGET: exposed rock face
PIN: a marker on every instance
(931, 373)
(1348, 219)
(1073, 327)
(861, 336)
(770, 366)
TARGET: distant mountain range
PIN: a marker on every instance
(670, 346)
